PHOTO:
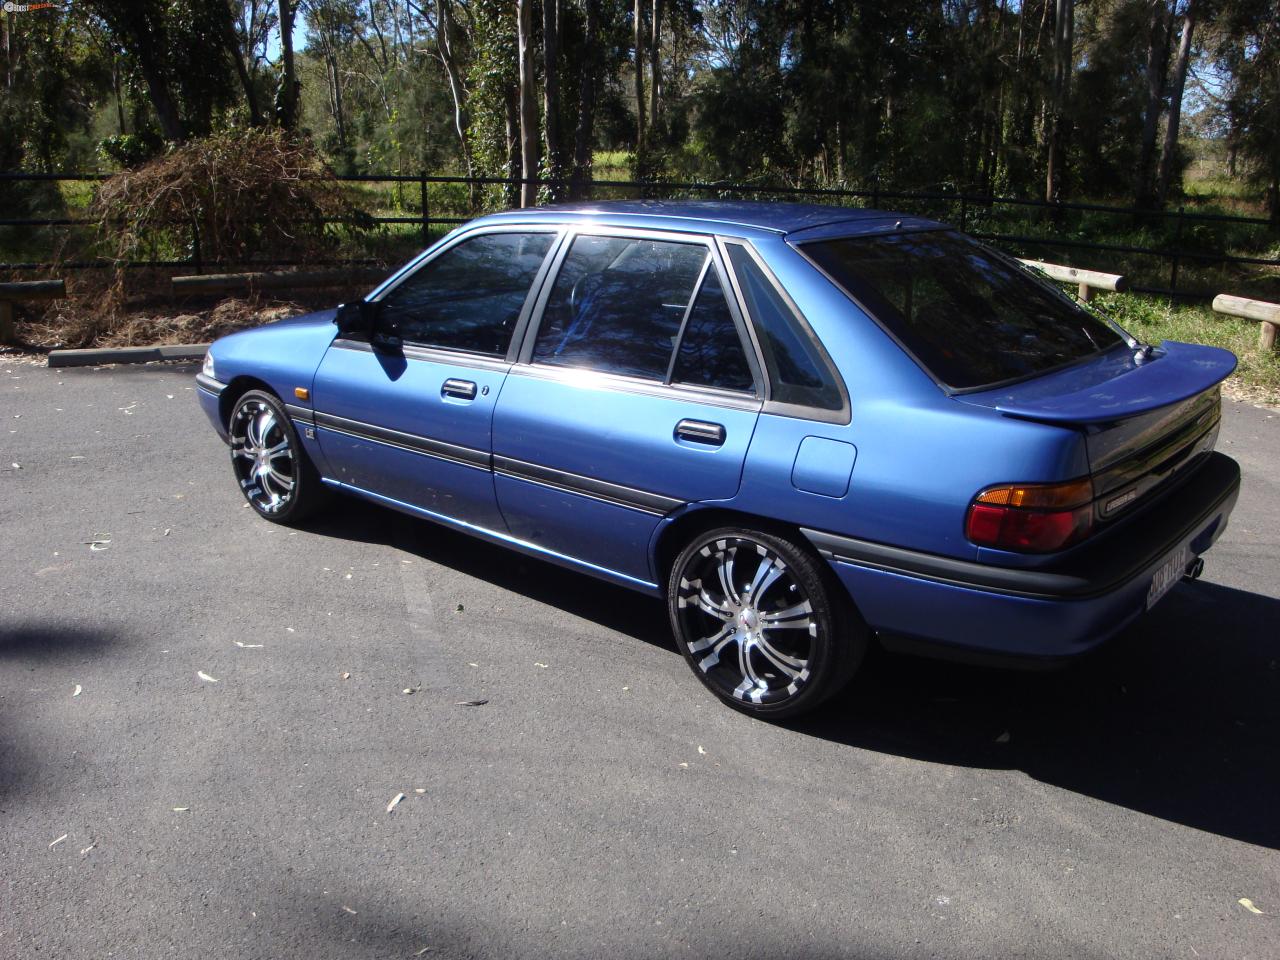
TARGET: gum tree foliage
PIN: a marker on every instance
(1245, 48)
(1031, 97)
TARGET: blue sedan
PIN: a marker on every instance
(806, 428)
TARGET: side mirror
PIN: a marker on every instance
(358, 316)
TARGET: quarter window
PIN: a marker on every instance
(799, 372)
(617, 305)
(470, 296)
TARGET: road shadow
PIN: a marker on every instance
(45, 642)
(34, 645)
(617, 608)
(1178, 718)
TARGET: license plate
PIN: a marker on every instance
(1170, 572)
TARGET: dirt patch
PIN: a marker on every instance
(79, 324)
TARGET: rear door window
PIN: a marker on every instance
(969, 316)
(618, 304)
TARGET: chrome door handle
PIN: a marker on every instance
(699, 431)
(462, 389)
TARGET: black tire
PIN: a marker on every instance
(806, 656)
(271, 466)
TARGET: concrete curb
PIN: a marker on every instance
(91, 358)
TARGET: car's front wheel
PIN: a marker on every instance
(274, 472)
(761, 622)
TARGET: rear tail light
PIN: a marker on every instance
(1032, 518)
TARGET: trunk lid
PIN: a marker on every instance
(1143, 421)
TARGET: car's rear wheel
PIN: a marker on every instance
(273, 470)
(761, 622)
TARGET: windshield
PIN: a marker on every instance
(969, 316)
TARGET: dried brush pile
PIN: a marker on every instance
(243, 193)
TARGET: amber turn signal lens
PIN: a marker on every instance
(1039, 496)
(302, 393)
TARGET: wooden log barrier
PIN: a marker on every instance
(11, 293)
(248, 282)
(1267, 314)
(1088, 280)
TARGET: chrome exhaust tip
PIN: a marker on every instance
(1194, 569)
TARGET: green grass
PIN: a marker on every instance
(1154, 320)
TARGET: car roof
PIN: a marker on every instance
(744, 218)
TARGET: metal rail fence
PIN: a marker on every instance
(968, 212)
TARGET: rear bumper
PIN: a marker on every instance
(965, 610)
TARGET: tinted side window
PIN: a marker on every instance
(798, 371)
(617, 305)
(469, 297)
(711, 352)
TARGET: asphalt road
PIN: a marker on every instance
(600, 804)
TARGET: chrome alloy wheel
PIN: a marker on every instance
(262, 455)
(747, 622)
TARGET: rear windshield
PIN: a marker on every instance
(969, 316)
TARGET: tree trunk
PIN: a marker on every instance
(1063, 60)
(639, 41)
(655, 63)
(512, 105)
(448, 56)
(162, 100)
(551, 91)
(1157, 60)
(335, 93)
(8, 55)
(115, 88)
(287, 96)
(1169, 151)
(528, 105)
(584, 134)
(232, 44)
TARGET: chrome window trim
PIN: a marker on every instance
(459, 358)
(449, 242)
(524, 357)
(841, 416)
(588, 378)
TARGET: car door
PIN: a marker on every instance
(404, 411)
(635, 394)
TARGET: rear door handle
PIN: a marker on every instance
(461, 389)
(699, 431)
